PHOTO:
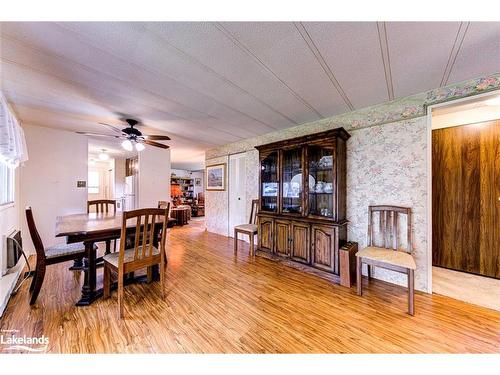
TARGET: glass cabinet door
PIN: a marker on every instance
(321, 191)
(269, 180)
(292, 181)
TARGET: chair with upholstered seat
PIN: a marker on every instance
(389, 255)
(249, 229)
(50, 255)
(144, 253)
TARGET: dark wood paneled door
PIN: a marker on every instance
(265, 229)
(282, 245)
(324, 248)
(300, 242)
(466, 198)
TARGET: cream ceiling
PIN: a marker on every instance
(207, 84)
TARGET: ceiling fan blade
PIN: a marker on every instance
(101, 135)
(156, 137)
(157, 144)
(114, 128)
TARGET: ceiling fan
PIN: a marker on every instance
(132, 137)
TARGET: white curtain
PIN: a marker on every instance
(12, 142)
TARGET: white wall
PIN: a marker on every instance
(57, 160)
(153, 176)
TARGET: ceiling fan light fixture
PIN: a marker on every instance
(127, 145)
(103, 155)
(139, 146)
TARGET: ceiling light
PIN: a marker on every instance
(127, 145)
(103, 156)
(139, 146)
(494, 101)
(91, 162)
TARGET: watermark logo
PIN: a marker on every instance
(11, 340)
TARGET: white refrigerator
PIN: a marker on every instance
(130, 193)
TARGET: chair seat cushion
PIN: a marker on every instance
(129, 256)
(247, 227)
(389, 256)
(65, 249)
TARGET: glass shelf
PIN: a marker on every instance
(292, 181)
(269, 179)
(320, 163)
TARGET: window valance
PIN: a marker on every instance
(12, 142)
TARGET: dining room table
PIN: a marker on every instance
(91, 228)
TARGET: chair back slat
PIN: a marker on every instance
(253, 212)
(388, 218)
(146, 222)
(101, 205)
(35, 236)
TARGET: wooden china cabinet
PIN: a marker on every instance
(302, 197)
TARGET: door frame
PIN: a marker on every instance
(429, 109)
(230, 232)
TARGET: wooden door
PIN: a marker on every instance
(282, 245)
(265, 233)
(324, 248)
(300, 242)
(466, 198)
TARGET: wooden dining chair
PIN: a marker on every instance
(103, 206)
(388, 255)
(144, 253)
(249, 229)
(46, 256)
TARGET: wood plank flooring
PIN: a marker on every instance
(220, 303)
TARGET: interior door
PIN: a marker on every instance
(237, 192)
(466, 198)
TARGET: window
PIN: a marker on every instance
(6, 184)
(93, 182)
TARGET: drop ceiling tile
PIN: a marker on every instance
(480, 52)
(280, 47)
(419, 52)
(352, 52)
(205, 43)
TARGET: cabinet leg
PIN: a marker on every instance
(358, 276)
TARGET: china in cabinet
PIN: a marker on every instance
(303, 199)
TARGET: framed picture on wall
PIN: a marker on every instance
(197, 181)
(216, 177)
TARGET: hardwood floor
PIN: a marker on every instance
(220, 303)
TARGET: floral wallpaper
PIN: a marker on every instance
(386, 164)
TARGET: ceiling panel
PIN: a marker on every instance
(480, 52)
(280, 47)
(205, 43)
(418, 53)
(160, 56)
(352, 52)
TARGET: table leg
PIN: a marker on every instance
(88, 289)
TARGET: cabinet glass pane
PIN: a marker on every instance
(269, 179)
(320, 181)
(292, 181)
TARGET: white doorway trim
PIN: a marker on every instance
(241, 182)
(429, 174)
